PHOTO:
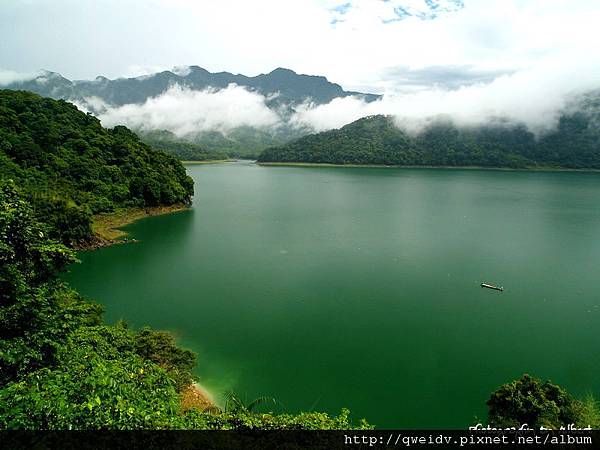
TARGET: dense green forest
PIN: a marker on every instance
(70, 167)
(575, 143)
(245, 142)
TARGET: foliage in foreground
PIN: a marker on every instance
(61, 368)
(538, 404)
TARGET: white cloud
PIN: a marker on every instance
(534, 96)
(94, 105)
(545, 49)
(142, 71)
(184, 112)
(255, 37)
(336, 113)
(182, 71)
(9, 76)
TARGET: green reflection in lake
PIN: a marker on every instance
(332, 287)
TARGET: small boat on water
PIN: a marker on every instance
(491, 286)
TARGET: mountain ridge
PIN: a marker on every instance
(573, 144)
(292, 88)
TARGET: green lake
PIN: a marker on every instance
(360, 287)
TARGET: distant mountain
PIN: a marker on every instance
(284, 90)
(575, 143)
(292, 88)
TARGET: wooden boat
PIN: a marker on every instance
(491, 286)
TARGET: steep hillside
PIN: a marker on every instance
(71, 167)
(574, 143)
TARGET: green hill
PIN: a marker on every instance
(70, 167)
(574, 143)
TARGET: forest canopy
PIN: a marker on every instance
(69, 167)
(574, 143)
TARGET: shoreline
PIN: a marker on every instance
(209, 161)
(388, 166)
(196, 396)
(106, 227)
(107, 231)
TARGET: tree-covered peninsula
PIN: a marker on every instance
(573, 143)
(70, 168)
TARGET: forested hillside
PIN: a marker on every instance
(574, 143)
(69, 167)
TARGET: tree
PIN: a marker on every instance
(538, 404)
(160, 347)
(69, 167)
(36, 311)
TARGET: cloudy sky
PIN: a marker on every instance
(373, 45)
(471, 59)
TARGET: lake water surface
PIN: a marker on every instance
(359, 288)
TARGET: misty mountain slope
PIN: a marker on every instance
(241, 142)
(133, 102)
(574, 143)
(183, 150)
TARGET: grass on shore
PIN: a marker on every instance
(384, 166)
(211, 161)
(107, 225)
(196, 397)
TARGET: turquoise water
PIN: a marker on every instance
(359, 288)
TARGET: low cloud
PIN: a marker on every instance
(444, 77)
(141, 71)
(8, 77)
(533, 96)
(184, 111)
